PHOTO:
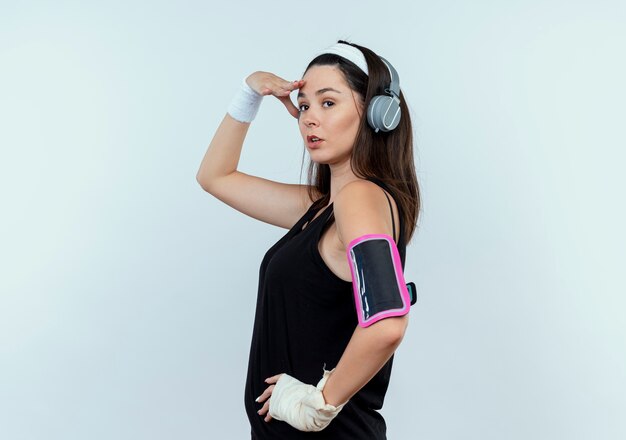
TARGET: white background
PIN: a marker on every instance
(128, 293)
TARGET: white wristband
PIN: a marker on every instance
(302, 405)
(245, 104)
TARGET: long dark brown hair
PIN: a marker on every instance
(387, 156)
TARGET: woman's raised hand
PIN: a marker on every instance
(266, 83)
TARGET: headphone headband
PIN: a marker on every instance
(349, 52)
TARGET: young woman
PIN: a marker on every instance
(331, 290)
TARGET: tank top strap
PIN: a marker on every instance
(384, 186)
(311, 219)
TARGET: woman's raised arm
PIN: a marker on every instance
(272, 202)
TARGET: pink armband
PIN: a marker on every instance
(380, 290)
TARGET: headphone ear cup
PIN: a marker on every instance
(373, 113)
(383, 113)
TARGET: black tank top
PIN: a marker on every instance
(305, 316)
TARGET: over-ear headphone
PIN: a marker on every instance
(383, 112)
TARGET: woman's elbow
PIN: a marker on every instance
(392, 329)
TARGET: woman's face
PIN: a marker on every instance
(330, 110)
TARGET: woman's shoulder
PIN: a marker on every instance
(365, 192)
(361, 207)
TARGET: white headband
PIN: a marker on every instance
(349, 52)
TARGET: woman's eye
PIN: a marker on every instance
(300, 107)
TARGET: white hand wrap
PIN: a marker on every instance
(245, 104)
(301, 405)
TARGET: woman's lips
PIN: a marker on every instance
(315, 144)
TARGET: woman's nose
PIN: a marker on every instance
(310, 120)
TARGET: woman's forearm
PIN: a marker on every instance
(367, 352)
(222, 156)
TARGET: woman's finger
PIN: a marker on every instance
(273, 379)
(292, 109)
(264, 408)
(265, 411)
(284, 96)
(266, 393)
